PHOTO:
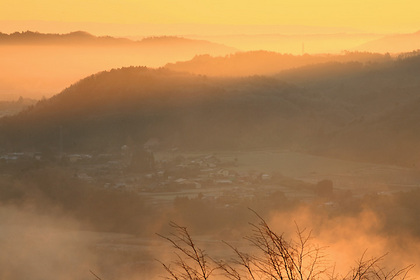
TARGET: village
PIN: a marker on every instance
(161, 176)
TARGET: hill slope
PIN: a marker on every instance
(360, 111)
(183, 110)
(263, 62)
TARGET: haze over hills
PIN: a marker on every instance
(321, 43)
(82, 37)
(264, 62)
(294, 43)
(351, 110)
(39, 65)
(393, 44)
(147, 30)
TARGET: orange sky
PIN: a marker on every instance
(386, 16)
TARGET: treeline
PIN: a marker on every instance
(14, 107)
(266, 63)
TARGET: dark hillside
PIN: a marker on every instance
(182, 110)
(383, 100)
(362, 111)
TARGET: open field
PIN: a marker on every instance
(311, 168)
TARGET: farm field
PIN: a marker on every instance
(311, 168)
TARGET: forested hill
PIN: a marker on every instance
(363, 112)
(106, 109)
(384, 100)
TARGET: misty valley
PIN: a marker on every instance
(239, 151)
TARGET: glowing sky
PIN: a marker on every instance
(364, 15)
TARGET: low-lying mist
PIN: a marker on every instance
(348, 238)
(55, 225)
(44, 246)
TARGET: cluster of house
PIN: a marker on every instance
(175, 173)
(181, 173)
(172, 174)
(16, 157)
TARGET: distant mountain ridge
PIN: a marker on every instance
(30, 37)
(82, 37)
(393, 44)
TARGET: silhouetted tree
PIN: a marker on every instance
(275, 258)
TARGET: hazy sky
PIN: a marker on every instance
(365, 15)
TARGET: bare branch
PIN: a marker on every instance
(274, 258)
(96, 276)
(184, 244)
